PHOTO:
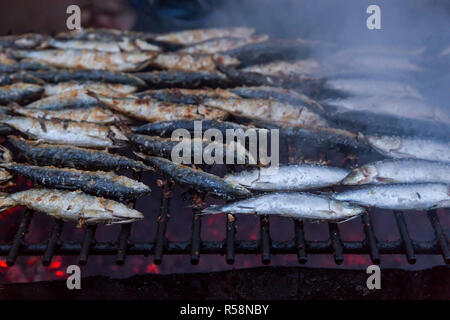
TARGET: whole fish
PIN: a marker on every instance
(309, 86)
(191, 62)
(5, 155)
(268, 51)
(400, 171)
(89, 75)
(99, 87)
(100, 183)
(411, 147)
(22, 65)
(199, 35)
(24, 41)
(19, 92)
(424, 196)
(155, 110)
(92, 60)
(268, 110)
(222, 44)
(72, 206)
(163, 147)
(20, 76)
(72, 157)
(67, 99)
(289, 177)
(293, 205)
(124, 45)
(98, 115)
(82, 134)
(188, 96)
(165, 128)
(287, 68)
(184, 79)
(196, 179)
(279, 94)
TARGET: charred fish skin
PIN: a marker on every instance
(155, 110)
(24, 41)
(218, 45)
(196, 179)
(298, 177)
(89, 75)
(295, 205)
(279, 94)
(81, 134)
(19, 92)
(191, 62)
(199, 35)
(90, 60)
(64, 156)
(267, 51)
(99, 87)
(424, 196)
(165, 128)
(68, 99)
(104, 184)
(22, 76)
(90, 114)
(185, 96)
(400, 171)
(268, 110)
(184, 79)
(411, 147)
(163, 147)
(73, 206)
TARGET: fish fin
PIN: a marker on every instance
(385, 180)
(211, 209)
(348, 219)
(140, 155)
(142, 65)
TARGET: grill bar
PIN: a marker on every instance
(370, 237)
(300, 241)
(88, 241)
(196, 241)
(52, 242)
(439, 233)
(336, 243)
(230, 237)
(404, 234)
(124, 235)
(162, 222)
(265, 240)
(19, 238)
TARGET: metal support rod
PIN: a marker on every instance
(265, 239)
(404, 235)
(124, 235)
(336, 243)
(18, 238)
(196, 229)
(163, 218)
(440, 235)
(230, 237)
(371, 239)
(52, 242)
(88, 240)
(300, 241)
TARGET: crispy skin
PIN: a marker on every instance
(99, 183)
(185, 96)
(90, 114)
(24, 41)
(197, 180)
(92, 60)
(184, 79)
(165, 128)
(68, 99)
(19, 92)
(83, 134)
(191, 62)
(73, 206)
(199, 35)
(89, 75)
(73, 157)
(99, 87)
(222, 44)
(155, 110)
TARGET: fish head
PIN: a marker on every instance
(244, 178)
(362, 175)
(384, 143)
(344, 211)
(5, 155)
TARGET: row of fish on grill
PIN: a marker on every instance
(79, 96)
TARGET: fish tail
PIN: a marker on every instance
(214, 209)
(6, 202)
